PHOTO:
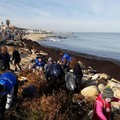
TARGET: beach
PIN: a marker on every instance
(47, 99)
(102, 65)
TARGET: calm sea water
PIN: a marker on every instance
(99, 44)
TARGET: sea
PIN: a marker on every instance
(105, 45)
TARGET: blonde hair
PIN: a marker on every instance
(4, 49)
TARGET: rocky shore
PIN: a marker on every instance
(57, 104)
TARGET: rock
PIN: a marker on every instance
(115, 106)
(117, 93)
(116, 116)
(96, 76)
(101, 87)
(90, 91)
(113, 84)
(29, 91)
(103, 76)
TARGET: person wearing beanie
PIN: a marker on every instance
(102, 107)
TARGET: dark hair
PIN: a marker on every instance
(1, 88)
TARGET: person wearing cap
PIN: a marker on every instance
(8, 88)
(102, 107)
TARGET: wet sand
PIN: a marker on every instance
(102, 65)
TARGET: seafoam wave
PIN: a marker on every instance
(54, 39)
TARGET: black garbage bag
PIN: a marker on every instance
(70, 81)
(29, 92)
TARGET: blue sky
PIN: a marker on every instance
(63, 15)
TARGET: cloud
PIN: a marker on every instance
(73, 15)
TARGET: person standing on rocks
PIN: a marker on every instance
(76, 69)
(5, 58)
(102, 107)
(65, 59)
(16, 58)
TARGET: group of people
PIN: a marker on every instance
(8, 80)
(6, 60)
(54, 70)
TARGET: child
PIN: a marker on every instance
(102, 108)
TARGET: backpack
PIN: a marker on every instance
(70, 81)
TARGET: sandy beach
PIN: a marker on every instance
(35, 36)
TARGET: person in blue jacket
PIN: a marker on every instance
(39, 63)
(64, 60)
(8, 87)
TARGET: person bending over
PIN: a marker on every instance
(55, 73)
(8, 88)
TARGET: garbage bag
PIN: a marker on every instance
(70, 81)
(29, 91)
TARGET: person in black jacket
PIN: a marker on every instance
(16, 58)
(55, 73)
(5, 58)
(77, 72)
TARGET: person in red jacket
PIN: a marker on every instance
(102, 107)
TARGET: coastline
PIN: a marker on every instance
(101, 65)
(34, 36)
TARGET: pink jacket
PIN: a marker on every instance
(102, 108)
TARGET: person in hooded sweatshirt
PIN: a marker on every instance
(8, 88)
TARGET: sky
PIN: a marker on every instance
(63, 15)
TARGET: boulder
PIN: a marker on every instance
(113, 84)
(115, 106)
(29, 92)
(117, 93)
(101, 87)
(104, 76)
(90, 91)
(96, 76)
